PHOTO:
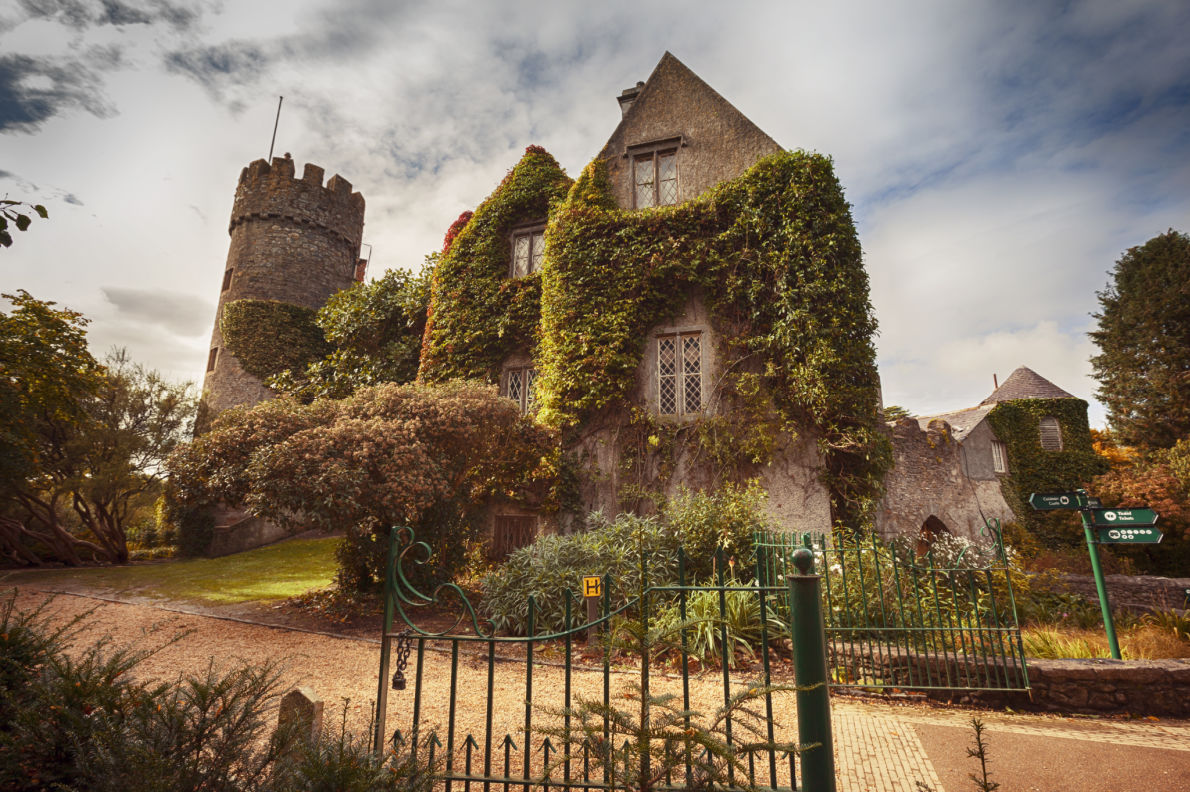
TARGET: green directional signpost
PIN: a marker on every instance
(1103, 526)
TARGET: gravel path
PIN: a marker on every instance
(878, 746)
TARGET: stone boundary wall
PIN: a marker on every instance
(1095, 685)
(1138, 592)
(1064, 685)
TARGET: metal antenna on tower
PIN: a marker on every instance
(276, 121)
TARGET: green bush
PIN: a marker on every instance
(448, 527)
(705, 621)
(698, 523)
(85, 720)
(556, 563)
(727, 519)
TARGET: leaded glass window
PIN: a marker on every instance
(667, 178)
(691, 373)
(528, 252)
(655, 179)
(667, 375)
(679, 374)
(518, 385)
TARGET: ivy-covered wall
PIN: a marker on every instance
(1033, 469)
(478, 315)
(269, 337)
(775, 257)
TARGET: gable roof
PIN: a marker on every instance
(961, 421)
(668, 74)
(1024, 383)
(675, 107)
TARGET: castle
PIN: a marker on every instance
(701, 319)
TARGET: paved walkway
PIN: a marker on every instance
(878, 745)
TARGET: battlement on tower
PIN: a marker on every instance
(270, 191)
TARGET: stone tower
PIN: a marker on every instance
(292, 241)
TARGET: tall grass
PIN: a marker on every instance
(1141, 642)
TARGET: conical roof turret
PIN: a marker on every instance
(1024, 383)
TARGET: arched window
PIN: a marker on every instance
(1051, 434)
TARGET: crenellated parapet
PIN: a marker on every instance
(271, 192)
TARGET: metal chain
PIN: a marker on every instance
(404, 645)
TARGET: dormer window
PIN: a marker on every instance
(655, 178)
(528, 251)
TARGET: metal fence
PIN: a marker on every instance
(515, 719)
(898, 619)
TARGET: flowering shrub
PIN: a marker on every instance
(415, 455)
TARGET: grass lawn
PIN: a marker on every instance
(274, 572)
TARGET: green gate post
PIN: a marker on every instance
(1100, 585)
(809, 665)
(390, 585)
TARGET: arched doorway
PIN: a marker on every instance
(931, 528)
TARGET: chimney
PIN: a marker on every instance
(995, 384)
(628, 96)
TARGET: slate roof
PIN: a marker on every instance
(961, 421)
(1024, 383)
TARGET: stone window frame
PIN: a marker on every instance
(212, 359)
(1049, 431)
(652, 151)
(534, 233)
(227, 275)
(681, 376)
(999, 457)
(525, 378)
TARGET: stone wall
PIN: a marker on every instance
(293, 241)
(1095, 685)
(1135, 592)
(1082, 685)
(797, 498)
(930, 477)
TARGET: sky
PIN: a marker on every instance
(999, 156)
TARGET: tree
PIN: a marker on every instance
(376, 331)
(79, 442)
(46, 376)
(412, 455)
(1144, 337)
(10, 212)
(1159, 480)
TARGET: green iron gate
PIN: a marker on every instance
(515, 712)
(897, 619)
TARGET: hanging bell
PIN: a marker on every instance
(399, 681)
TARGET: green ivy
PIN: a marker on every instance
(775, 255)
(478, 315)
(1032, 469)
(268, 337)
